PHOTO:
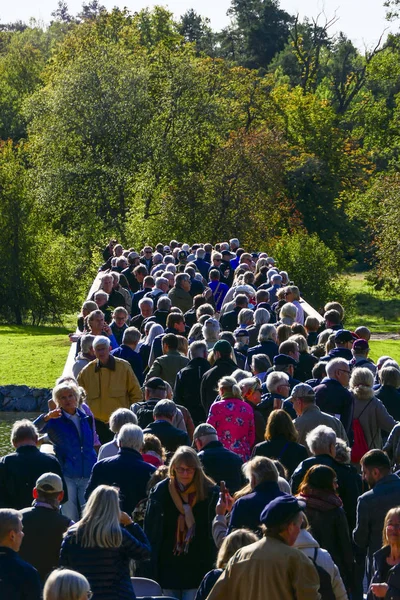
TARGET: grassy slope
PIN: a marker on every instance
(374, 309)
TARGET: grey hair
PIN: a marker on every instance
(164, 302)
(101, 340)
(23, 430)
(211, 329)
(161, 281)
(121, 417)
(130, 436)
(267, 332)
(361, 377)
(275, 379)
(288, 310)
(116, 276)
(197, 349)
(335, 365)
(245, 317)
(324, 336)
(9, 521)
(239, 375)
(148, 301)
(170, 268)
(87, 343)
(200, 253)
(105, 276)
(320, 440)
(101, 294)
(66, 584)
(131, 335)
(390, 376)
(180, 278)
(229, 383)
(260, 468)
(165, 408)
(261, 316)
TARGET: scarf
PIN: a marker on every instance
(320, 500)
(184, 500)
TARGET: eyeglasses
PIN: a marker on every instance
(182, 470)
(344, 371)
(89, 594)
(218, 259)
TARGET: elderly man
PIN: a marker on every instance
(170, 437)
(224, 365)
(271, 569)
(127, 471)
(266, 344)
(309, 416)
(332, 396)
(129, 272)
(117, 287)
(218, 288)
(277, 386)
(109, 384)
(146, 306)
(148, 285)
(18, 579)
(188, 381)
(115, 299)
(322, 441)
(159, 291)
(20, 470)
(360, 350)
(85, 356)
(180, 293)
(229, 320)
(147, 258)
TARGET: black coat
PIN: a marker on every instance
(209, 382)
(107, 569)
(269, 348)
(187, 388)
(336, 400)
(222, 465)
(290, 454)
(170, 437)
(303, 369)
(384, 573)
(229, 320)
(247, 510)
(184, 571)
(126, 471)
(18, 579)
(390, 397)
(19, 472)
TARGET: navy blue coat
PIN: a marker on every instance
(336, 400)
(18, 579)
(107, 569)
(269, 348)
(383, 573)
(133, 358)
(247, 510)
(126, 471)
(76, 454)
(222, 465)
(170, 437)
(290, 454)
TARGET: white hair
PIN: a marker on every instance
(267, 332)
(130, 436)
(101, 340)
(275, 379)
(261, 316)
(148, 301)
(335, 365)
(320, 440)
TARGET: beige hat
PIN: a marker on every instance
(49, 483)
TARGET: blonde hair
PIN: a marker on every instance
(66, 585)
(283, 333)
(189, 457)
(232, 543)
(300, 341)
(230, 388)
(100, 526)
(393, 512)
(183, 345)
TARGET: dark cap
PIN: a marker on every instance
(223, 347)
(241, 333)
(302, 390)
(182, 255)
(155, 383)
(280, 510)
(227, 253)
(360, 345)
(281, 360)
(344, 335)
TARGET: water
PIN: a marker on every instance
(7, 420)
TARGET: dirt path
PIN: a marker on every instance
(385, 336)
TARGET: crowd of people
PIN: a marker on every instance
(215, 438)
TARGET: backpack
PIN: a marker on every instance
(325, 582)
(144, 412)
(360, 446)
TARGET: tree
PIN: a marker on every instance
(91, 10)
(61, 13)
(196, 29)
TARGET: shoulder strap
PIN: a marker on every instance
(315, 555)
(365, 408)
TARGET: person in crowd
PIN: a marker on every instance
(176, 325)
(306, 361)
(261, 317)
(188, 381)
(154, 330)
(118, 418)
(159, 291)
(223, 366)
(271, 559)
(262, 476)
(109, 384)
(142, 314)
(127, 351)
(170, 437)
(233, 419)
(389, 393)
(283, 333)
(18, 579)
(180, 293)
(312, 325)
(98, 326)
(127, 470)
(277, 386)
(20, 470)
(115, 299)
(317, 374)
(331, 583)
(229, 320)
(134, 272)
(85, 356)
(281, 442)
(370, 413)
(168, 365)
(343, 344)
(385, 582)
(218, 287)
(292, 295)
(384, 494)
(153, 452)
(147, 258)
(276, 284)
(66, 584)
(178, 523)
(146, 308)
(327, 519)
(211, 330)
(250, 389)
(119, 323)
(360, 350)
(332, 395)
(119, 283)
(286, 364)
(101, 544)
(44, 526)
(190, 315)
(309, 415)
(71, 433)
(231, 544)
(218, 463)
(87, 307)
(287, 314)
(322, 443)
(260, 366)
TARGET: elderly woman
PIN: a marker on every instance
(287, 314)
(307, 361)
(266, 343)
(71, 432)
(261, 317)
(210, 331)
(250, 388)
(292, 294)
(233, 419)
(178, 523)
(389, 393)
(370, 413)
(386, 580)
(98, 326)
(65, 583)
(118, 418)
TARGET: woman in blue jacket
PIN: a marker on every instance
(71, 432)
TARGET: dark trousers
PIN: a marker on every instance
(103, 431)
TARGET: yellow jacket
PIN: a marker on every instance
(109, 388)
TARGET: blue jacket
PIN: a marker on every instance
(133, 358)
(222, 465)
(18, 579)
(381, 576)
(247, 510)
(75, 454)
(126, 471)
(336, 400)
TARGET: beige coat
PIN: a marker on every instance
(311, 418)
(107, 389)
(267, 570)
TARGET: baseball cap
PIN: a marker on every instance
(227, 253)
(281, 509)
(360, 345)
(204, 429)
(155, 383)
(182, 255)
(302, 390)
(223, 347)
(49, 483)
(344, 335)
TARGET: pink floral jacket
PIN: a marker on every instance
(234, 421)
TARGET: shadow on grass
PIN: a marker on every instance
(30, 330)
(385, 309)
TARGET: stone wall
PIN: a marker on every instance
(21, 398)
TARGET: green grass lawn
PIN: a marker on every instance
(376, 310)
(33, 356)
(384, 348)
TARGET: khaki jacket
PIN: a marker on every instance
(167, 366)
(109, 389)
(311, 418)
(181, 299)
(268, 570)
